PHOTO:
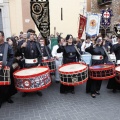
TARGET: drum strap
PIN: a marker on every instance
(5, 55)
(107, 55)
(47, 52)
(38, 47)
(78, 53)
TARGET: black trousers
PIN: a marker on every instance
(65, 88)
(93, 85)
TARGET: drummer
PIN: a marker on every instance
(32, 53)
(112, 83)
(70, 55)
(5, 90)
(98, 57)
(46, 52)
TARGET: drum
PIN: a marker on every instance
(102, 72)
(73, 74)
(5, 76)
(50, 63)
(32, 79)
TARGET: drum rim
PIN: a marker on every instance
(31, 76)
(74, 84)
(93, 69)
(78, 71)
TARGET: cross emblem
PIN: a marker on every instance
(106, 14)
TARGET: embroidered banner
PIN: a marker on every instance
(93, 24)
(40, 16)
(106, 18)
(82, 23)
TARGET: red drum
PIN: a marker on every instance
(102, 72)
(5, 76)
(32, 79)
(73, 74)
(50, 63)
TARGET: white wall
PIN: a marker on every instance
(4, 5)
(71, 11)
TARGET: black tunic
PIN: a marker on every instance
(69, 55)
(5, 90)
(112, 84)
(95, 85)
(31, 52)
(44, 50)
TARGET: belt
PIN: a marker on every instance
(31, 61)
(118, 61)
(97, 57)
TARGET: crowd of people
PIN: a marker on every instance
(28, 50)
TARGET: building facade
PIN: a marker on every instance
(95, 6)
(64, 16)
(5, 17)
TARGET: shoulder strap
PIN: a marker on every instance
(38, 47)
(5, 55)
(107, 55)
(47, 52)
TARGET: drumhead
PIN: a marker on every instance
(117, 68)
(72, 67)
(30, 71)
(97, 67)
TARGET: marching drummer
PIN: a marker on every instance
(32, 52)
(70, 54)
(7, 59)
(112, 83)
(98, 57)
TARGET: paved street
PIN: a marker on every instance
(55, 106)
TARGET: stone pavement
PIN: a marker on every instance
(55, 106)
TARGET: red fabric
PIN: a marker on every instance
(82, 25)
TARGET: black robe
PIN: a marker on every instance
(6, 91)
(69, 55)
(112, 84)
(95, 85)
(31, 52)
(44, 50)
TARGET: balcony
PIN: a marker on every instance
(104, 2)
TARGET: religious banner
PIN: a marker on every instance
(106, 17)
(93, 24)
(82, 23)
(40, 16)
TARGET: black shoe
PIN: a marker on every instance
(64, 92)
(39, 93)
(0, 104)
(10, 101)
(97, 92)
(24, 94)
(57, 81)
(114, 90)
(73, 92)
(93, 95)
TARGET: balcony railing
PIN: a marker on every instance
(104, 2)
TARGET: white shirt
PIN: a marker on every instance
(54, 52)
(85, 45)
(114, 41)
